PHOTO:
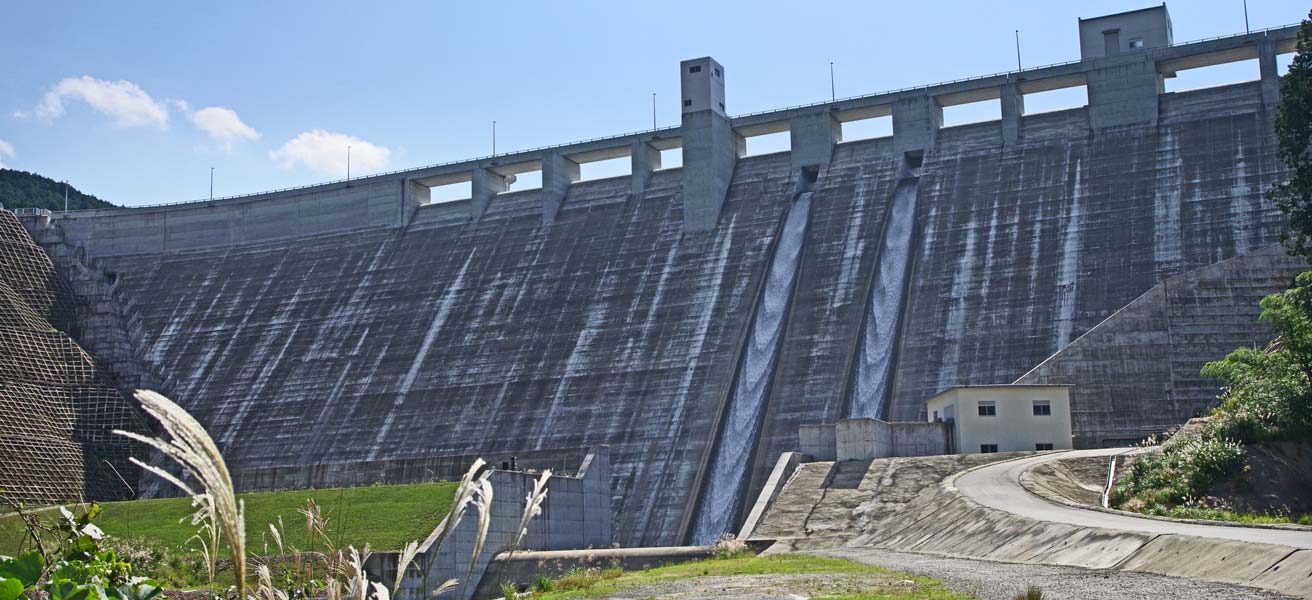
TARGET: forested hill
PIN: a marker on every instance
(20, 189)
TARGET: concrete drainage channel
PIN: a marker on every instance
(941, 519)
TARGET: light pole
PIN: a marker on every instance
(833, 96)
(65, 196)
(1246, 29)
(1018, 67)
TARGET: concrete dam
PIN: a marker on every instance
(692, 318)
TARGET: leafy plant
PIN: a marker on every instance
(544, 584)
(75, 568)
(1294, 136)
(1265, 395)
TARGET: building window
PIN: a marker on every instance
(988, 409)
(1042, 446)
(687, 102)
(1136, 43)
(988, 448)
(717, 71)
(1042, 408)
(696, 69)
(721, 106)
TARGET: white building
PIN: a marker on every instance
(1005, 418)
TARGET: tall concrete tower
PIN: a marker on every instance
(710, 146)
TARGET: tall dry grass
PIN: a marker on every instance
(221, 516)
(189, 445)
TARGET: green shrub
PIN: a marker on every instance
(1030, 593)
(1265, 395)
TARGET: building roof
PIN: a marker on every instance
(1161, 7)
(1000, 386)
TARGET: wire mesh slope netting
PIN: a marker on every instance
(57, 407)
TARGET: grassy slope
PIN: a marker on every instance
(20, 189)
(385, 517)
(923, 588)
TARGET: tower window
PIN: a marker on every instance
(687, 102)
(717, 71)
(696, 69)
(721, 106)
(1136, 43)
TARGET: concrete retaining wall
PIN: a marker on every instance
(866, 439)
(818, 441)
(1144, 360)
(575, 515)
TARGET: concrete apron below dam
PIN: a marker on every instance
(974, 507)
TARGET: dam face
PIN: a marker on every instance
(353, 322)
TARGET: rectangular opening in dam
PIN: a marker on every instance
(601, 169)
(1214, 76)
(972, 112)
(865, 129)
(450, 192)
(1055, 100)
(530, 180)
(769, 143)
(672, 158)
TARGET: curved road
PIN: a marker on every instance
(998, 486)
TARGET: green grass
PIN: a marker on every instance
(385, 517)
(606, 582)
(1216, 514)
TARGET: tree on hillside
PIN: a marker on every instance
(1294, 132)
(20, 189)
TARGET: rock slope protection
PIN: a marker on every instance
(58, 406)
(447, 334)
(986, 514)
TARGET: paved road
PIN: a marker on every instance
(998, 486)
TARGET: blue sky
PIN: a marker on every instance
(136, 101)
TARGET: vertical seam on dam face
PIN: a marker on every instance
(724, 486)
(870, 388)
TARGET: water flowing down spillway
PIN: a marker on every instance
(874, 366)
(751, 387)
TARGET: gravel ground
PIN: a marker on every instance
(762, 587)
(1002, 581)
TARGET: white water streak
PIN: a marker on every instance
(434, 327)
(1068, 270)
(724, 482)
(870, 389)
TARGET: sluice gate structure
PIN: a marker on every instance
(356, 322)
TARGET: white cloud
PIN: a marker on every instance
(325, 153)
(223, 125)
(124, 101)
(6, 151)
